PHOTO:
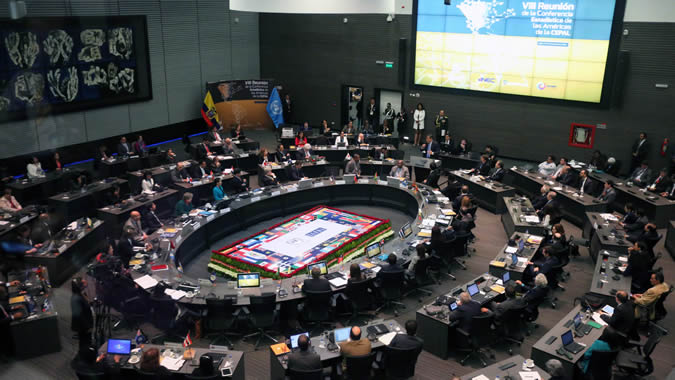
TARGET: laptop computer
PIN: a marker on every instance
(373, 250)
(580, 327)
(341, 335)
(249, 284)
(569, 344)
(475, 294)
(294, 340)
(319, 264)
(506, 277)
(119, 347)
(405, 231)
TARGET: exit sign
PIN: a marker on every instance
(389, 65)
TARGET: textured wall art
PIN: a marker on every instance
(65, 64)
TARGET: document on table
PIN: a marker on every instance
(172, 364)
(175, 294)
(146, 282)
(596, 317)
(338, 282)
(511, 249)
(531, 218)
(609, 217)
(532, 375)
(387, 338)
(480, 377)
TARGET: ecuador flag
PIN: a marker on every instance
(209, 112)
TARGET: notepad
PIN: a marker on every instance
(17, 299)
(497, 288)
(146, 282)
(387, 338)
(511, 249)
(172, 364)
(424, 233)
(534, 239)
(338, 282)
(498, 264)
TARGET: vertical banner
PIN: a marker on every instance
(241, 102)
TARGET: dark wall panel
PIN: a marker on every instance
(311, 56)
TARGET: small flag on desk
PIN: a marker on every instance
(187, 342)
(140, 338)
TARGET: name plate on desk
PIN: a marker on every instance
(179, 238)
(376, 162)
(80, 235)
(379, 182)
(319, 184)
(24, 219)
(364, 181)
(255, 199)
(97, 223)
(196, 225)
(342, 148)
(62, 248)
(275, 193)
(225, 210)
(243, 155)
(340, 182)
(210, 218)
(196, 183)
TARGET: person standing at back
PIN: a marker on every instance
(418, 123)
(639, 151)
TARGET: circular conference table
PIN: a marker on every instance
(195, 237)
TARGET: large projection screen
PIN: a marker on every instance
(554, 49)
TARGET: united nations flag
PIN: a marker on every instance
(274, 108)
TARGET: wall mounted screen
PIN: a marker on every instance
(61, 64)
(555, 49)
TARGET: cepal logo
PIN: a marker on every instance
(542, 86)
(483, 79)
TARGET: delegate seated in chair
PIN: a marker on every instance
(645, 302)
(466, 309)
(304, 359)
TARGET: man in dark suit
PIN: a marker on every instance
(125, 246)
(608, 193)
(511, 302)
(200, 171)
(82, 321)
(295, 172)
(624, 314)
(304, 359)
(629, 215)
(115, 197)
(456, 203)
(641, 176)
(612, 167)
(316, 283)
(214, 136)
(670, 192)
(661, 183)
(586, 185)
(408, 340)
(269, 179)
(534, 296)
(498, 174)
(483, 167)
(434, 176)
(431, 148)
(543, 266)
(238, 184)
(391, 267)
(648, 234)
(448, 144)
(287, 109)
(539, 201)
(372, 114)
(281, 155)
(305, 153)
(550, 207)
(466, 309)
(567, 177)
(636, 227)
(180, 174)
(151, 220)
(203, 151)
(124, 148)
(639, 151)
(42, 230)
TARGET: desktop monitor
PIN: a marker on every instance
(506, 277)
(248, 280)
(472, 289)
(567, 338)
(294, 339)
(342, 335)
(406, 230)
(319, 264)
(119, 346)
(373, 250)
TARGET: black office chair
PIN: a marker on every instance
(512, 325)
(134, 311)
(359, 367)
(360, 298)
(600, 365)
(552, 279)
(659, 308)
(421, 279)
(637, 360)
(163, 311)
(391, 290)
(559, 270)
(296, 374)
(318, 310)
(438, 268)
(263, 316)
(399, 363)
(89, 375)
(532, 312)
(221, 317)
(457, 250)
(477, 339)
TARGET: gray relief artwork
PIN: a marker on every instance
(29, 87)
(63, 83)
(58, 45)
(4, 103)
(92, 39)
(120, 80)
(120, 42)
(22, 48)
(94, 76)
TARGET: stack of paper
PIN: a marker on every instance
(424, 233)
(175, 294)
(172, 364)
(534, 239)
(387, 338)
(609, 217)
(146, 282)
(448, 212)
(338, 282)
(531, 218)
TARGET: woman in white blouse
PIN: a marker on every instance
(148, 183)
(418, 122)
